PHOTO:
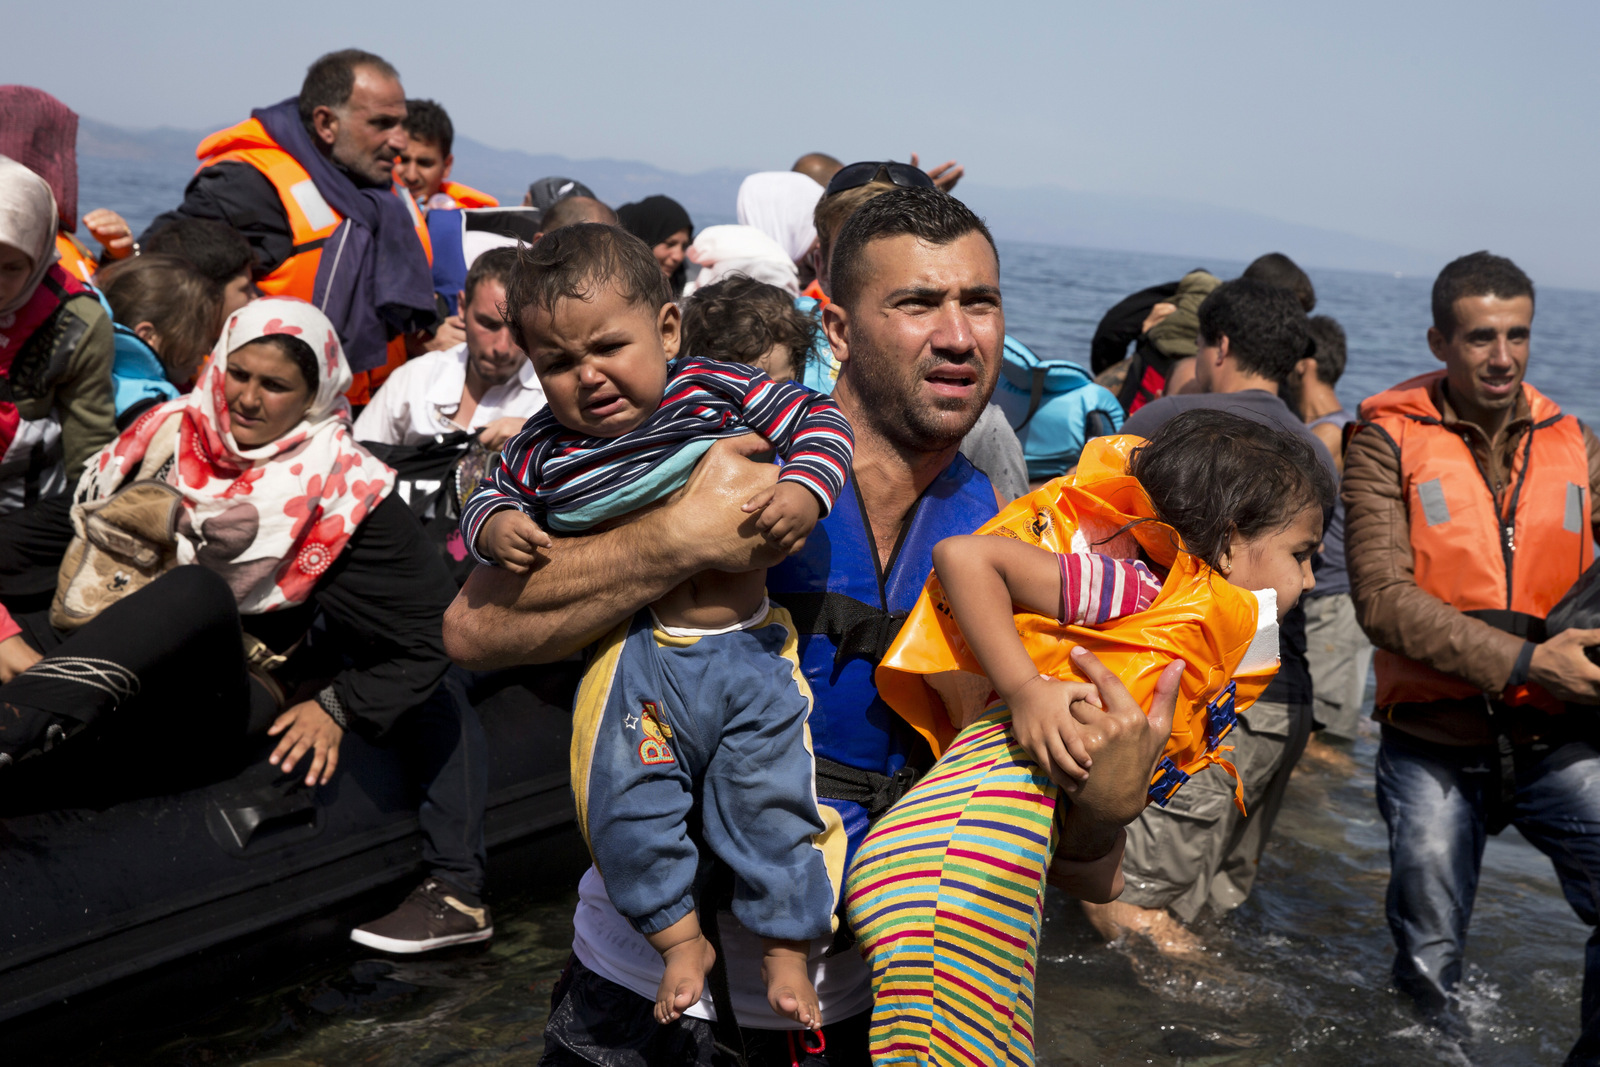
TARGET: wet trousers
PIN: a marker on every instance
(1437, 801)
(448, 755)
(1198, 850)
(1339, 656)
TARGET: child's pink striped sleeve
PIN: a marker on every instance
(1096, 588)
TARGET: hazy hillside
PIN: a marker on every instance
(143, 172)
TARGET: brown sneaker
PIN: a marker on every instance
(435, 915)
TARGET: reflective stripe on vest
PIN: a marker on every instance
(1508, 568)
(74, 257)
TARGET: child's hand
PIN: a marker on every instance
(1043, 723)
(510, 538)
(788, 512)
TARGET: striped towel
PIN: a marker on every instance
(946, 897)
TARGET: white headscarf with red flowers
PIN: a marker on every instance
(270, 520)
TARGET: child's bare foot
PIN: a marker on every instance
(1169, 935)
(687, 962)
(789, 988)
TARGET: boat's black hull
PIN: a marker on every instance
(93, 898)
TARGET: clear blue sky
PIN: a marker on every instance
(1445, 127)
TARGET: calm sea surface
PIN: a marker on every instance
(1299, 973)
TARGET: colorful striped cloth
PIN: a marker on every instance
(946, 896)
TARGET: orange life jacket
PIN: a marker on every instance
(467, 196)
(1198, 616)
(75, 259)
(814, 291)
(312, 221)
(1508, 568)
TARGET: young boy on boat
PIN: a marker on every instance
(1183, 552)
(690, 726)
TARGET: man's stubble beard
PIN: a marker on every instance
(887, 401)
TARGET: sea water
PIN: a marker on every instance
(1298, 973)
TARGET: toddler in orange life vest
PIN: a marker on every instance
(946, 890)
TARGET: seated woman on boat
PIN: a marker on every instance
(245, 505)
(55, 381)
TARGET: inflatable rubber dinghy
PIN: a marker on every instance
(97, 901)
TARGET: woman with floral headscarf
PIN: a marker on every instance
(280, 513)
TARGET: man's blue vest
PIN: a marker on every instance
(847, 610)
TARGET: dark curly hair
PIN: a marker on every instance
(739, 319)
(578, 261)
(1211, 473)
(1477, 274)
(1264, 324)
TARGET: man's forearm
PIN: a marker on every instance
(1085, 838)
(586, 586)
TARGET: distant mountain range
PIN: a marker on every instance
(142, 172)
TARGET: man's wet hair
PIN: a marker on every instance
(213, 248)
(1328, 338)
(575, 262)
(1275, 268)
(571, 210)
(332, 78)
(1477, 274)
(1264, 324)
(926, 214)
(427, 121)
(183, 305)
(495, 265)
(1210, 473)
(739, 319)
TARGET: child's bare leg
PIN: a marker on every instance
(1168, 934)
(688, 956)
(789, 988)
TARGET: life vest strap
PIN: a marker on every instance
(857, 629)
(876, 792)
(1517, 623)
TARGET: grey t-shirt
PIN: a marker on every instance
(992, 446)
(1293, 683)
(1256, 404)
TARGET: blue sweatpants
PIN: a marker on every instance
(680, 742)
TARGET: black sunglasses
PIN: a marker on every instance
(858, 174)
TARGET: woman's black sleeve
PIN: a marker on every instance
(385, 599)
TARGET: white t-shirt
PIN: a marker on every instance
(608, 945)
(416, 403)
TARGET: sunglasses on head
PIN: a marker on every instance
(858, 174)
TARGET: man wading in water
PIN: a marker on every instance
(917, 324)
(1469, 513)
